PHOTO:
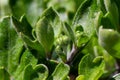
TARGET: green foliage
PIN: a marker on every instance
(4, 74)
(39, 72)
(60, 73)
(59, 39)
(27, 58)
(90, 68)
(46, 40)
(110, 40)
(87, 18)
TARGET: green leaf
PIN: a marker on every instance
(52, 65)
(45, 34)
(3, 32)
(25, 31)
(81, 39)
(26, 74)
(60, 72)
(3, 58)
(40, 72)
(7, 33)
(53, 19)
(23, 26)
(112, 9)
(34, 72)
(109, 39)
(88, 17)
(85, 16)
(14, 55)
(32, 9)
(27, 58)
(51, 15)
(4, 8)
(90, 68)
(118, 6)
(107, 21)
(66, 8)
(80, 77)
(34, 45)
(4, 74)
(4, 29)
(79, 2)
(70, 32)
(12, 46)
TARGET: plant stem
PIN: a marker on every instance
(118, 65)
(48, 55)
(72, 54)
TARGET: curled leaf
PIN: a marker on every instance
(60, 72)
(91, 68)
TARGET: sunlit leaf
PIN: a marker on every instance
(91, 68)
(60, 72)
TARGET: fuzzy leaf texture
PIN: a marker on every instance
(45, 34)
(40, 72)
(24, 29)
(87, 17)
(60, 73)
(90, 68)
